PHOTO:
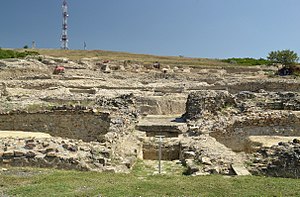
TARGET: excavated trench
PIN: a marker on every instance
(170, 127)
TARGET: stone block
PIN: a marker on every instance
(19, 153)
(8, 154)
(30, 154)
(205, 161)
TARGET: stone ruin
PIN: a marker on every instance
(106, 116)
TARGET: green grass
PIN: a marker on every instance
(6, 54)
(71, 183)
(149, 167)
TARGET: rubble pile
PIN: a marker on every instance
(203, 155)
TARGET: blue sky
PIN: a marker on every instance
(192, 28)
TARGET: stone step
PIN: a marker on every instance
(162, 125)
(240, 170)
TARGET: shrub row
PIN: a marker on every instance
(247, 61)
(6, 54)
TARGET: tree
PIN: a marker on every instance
(285, 57)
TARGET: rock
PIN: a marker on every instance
(45, 144)
(296, 141)
(48, 62)
(51, 154)
(106, 69)
(205, 161)
(51, 149)
(215, 170)
(30, 145)
(191, 167)
(30, 154)
(201, 174)
(165, 70)
(70, 147)
(189, 155)
(8, 154)
(19, 153)
(109, 169)
(129, 162)
(240, 170)
(7, 161)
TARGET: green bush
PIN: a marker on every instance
(247, 61)
(6, 54)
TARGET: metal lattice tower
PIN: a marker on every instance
(64, 35)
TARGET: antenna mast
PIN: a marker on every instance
(64, 35)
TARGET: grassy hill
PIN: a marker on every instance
(144, 58)
(140, 58)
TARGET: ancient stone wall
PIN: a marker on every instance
(268, 85)
(53, 152)
(162, 105)
(206, 101)
(280, 160)
(257, 124)
(248, 114)
(87, 126)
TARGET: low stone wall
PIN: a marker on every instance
(257, 124)
(268, 85)
(87, 126)
(54, 153)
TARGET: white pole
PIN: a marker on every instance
(159, 155)
(160, 137)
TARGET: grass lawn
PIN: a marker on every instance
(48, 182)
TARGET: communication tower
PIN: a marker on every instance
(64, 35)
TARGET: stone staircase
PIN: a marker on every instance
(168, 126)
